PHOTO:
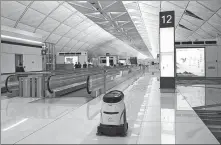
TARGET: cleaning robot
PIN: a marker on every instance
(113, 120)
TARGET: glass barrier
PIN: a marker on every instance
(62, 82)
(109, 79)
(27, 84)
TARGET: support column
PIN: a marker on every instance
(167, 50)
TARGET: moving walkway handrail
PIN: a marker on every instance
(114, 72)
(22, 74)
(81, 75)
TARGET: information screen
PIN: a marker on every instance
(190, 62)
(71, 59)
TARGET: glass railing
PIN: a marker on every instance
(62, 82)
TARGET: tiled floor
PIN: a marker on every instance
(153, 117)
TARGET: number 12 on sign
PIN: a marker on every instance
(167, 19)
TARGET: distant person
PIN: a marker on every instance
(76, 65)
(84, 65)
(79, 65)
(20, 68)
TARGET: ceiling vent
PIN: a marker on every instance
(189, 13)
(196, 43)
(184, 27)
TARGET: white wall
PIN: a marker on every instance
(219, 56)
(82, 59)
(211, 61)
(60, 59)
(32, 59)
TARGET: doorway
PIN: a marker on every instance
(18, 60)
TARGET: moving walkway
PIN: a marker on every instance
(59, 83)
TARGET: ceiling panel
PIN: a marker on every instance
(167, 6)
(84, 46)
(62, 29)
(77, 46)
(12, 9)
(92, 29)
(61, 13)
(152, 3)
(72, 33)
(219, 13)
(73, 20)
(80, 36)
(65, 4)
(215, 21)
(197, 36)
(213, 5)
(71, 43)
(49, 24)
(66, 49)
(82, 26)
(63, 41)
(191, 38)
(44, 6)
(24, 2)
(210, 29)
(199, 10)
(181, 4)
(203, 34)
(187, 24)
(43, 33)
(25, 27)
(32, 18)
(7, 22)
(192, 20)
(149, 9)
(53, 38)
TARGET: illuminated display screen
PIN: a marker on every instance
(107, 61)
(167, 65)
(167, 40)
(190, 62)
(71, 59)
(122, 61)
(167, 52)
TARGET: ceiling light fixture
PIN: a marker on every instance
(20, 39)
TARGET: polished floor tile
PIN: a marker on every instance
(153, 118)
(15, 130)
(191, 133)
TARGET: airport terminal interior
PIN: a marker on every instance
(111, 72)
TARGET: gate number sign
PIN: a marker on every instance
(167, 19)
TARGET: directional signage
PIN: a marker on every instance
(43, 52)
(167, 19)
(167, 49)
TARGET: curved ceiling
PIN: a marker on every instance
(61, 24)
(117, 27)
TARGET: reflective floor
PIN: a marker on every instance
(153, 117)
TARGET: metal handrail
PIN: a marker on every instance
(81, 75)
(22, 74)
(106, 73)
(6, 84)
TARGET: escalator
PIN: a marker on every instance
(211, 116)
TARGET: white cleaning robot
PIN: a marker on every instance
(113, 120)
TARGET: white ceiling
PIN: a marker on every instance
(61, 24)
(122, 28)
(195, 29)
